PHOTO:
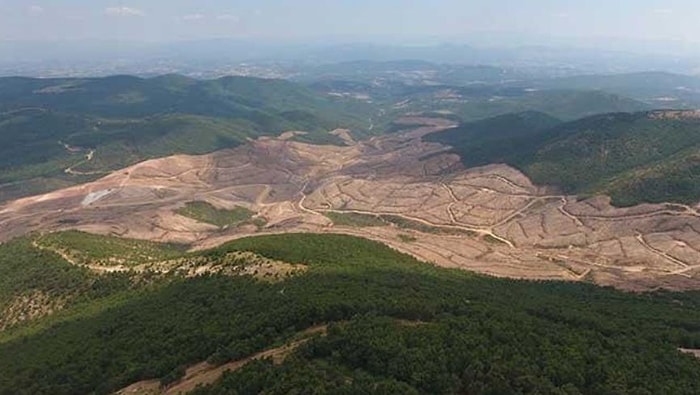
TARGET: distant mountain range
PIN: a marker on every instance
(660, 89)
(210, 57)
(656, 89)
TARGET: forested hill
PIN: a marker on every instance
(494, 140)
(394, 325)
(129, 96)
(641, 157)
(49, 125)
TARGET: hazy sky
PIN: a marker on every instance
(171, 20)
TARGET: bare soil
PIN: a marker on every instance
(695, 353)
(493, 219)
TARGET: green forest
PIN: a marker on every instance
(205, 212)
(632, 157)
(396, 325)
(50, 125)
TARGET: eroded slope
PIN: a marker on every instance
(490, 219)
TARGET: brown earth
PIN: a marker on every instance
(493, 219)
(695, 353)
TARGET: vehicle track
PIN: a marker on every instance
(658, 252)
(432, 224)
(88, 158)
(562, 209)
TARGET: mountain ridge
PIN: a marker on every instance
(620, 154)
(49, 125)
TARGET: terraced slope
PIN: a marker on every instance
(634, 158)
(415, 196)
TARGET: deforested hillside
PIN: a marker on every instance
(56, 132)
(633, 157)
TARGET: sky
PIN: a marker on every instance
(506, 21)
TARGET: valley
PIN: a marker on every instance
(407, 198)
(490, 219)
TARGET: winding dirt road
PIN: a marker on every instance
(294, 185)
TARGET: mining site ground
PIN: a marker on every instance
(489, 219)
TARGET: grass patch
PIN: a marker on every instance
(405, 223)
(90, 249)
(205, 212)
(259, 222)
(355, 219)
(366, 220)
(492, 240)
(407, 238)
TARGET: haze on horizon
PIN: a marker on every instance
(625, 24)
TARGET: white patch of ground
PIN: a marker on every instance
(95, 196)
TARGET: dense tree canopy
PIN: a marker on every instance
(396, 326)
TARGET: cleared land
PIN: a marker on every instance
(490, 219)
